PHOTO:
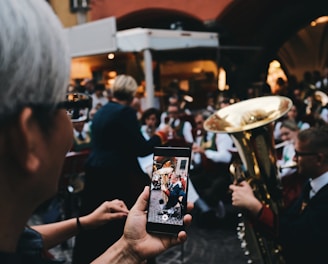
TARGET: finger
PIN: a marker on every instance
(182, 237)
(121, 204)
(142, 201)
(243, 183)
(118, 208)
(187, 219)
(117, 216)
(118, 202)
(190, 206)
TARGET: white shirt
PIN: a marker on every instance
(223, 143)
(318, 183)
(324, 114)
(186, 131)
(288, 153)
(98, 100)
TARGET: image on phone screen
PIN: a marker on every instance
(168, 190)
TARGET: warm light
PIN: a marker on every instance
(222, 85)
(111, 56)
(275, 64)
(110, 83)
(197, 70)
(80, 70)
(112, 74)
(319, 20)
(274, 72)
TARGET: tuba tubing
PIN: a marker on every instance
(250, 124)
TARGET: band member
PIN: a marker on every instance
(301, 228)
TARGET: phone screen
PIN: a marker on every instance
(168, 190)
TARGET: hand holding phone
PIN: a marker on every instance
(168, 191)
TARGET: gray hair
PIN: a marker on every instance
(34, 58)
(124, 87)
(289, 124)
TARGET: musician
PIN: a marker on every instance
(211, 158)
(181, 128)
(81, 133)
(175, 191)
(288, 135)
(302, 228)
(291, 180)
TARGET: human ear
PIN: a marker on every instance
(29, 138)
(321, 158)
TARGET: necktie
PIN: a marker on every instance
(306, 196)
(80, 136)
(173, 123)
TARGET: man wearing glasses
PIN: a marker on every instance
(302, 228)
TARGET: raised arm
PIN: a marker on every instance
(136, 245)
(55, 233)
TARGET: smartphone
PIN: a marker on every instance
(168, 190)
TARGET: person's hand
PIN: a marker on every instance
(106, 212)
(243, 197)
(197, 149)
(145, 245)
(163, 188)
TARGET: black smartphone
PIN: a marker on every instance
(168, 190)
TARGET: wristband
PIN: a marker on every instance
(79, 226)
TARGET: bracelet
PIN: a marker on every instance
(79, 226)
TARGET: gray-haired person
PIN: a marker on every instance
(35, 135)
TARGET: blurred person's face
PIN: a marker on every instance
(151, 120)
(210, 101)
(99, 93)
(223, 104)
(199, 121)
(297, 94)
(173, 112)
(306, 159)
(292, 113)
(287, 134)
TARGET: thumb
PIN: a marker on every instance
(142, 202)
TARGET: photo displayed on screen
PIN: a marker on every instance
(168, 190)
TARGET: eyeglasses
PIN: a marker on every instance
(301, 154)
(42, 111)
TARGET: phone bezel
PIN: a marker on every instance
(161, 228)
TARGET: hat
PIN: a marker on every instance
(78, 115)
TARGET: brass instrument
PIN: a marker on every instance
(250, 125)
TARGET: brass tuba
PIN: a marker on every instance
(250, 125)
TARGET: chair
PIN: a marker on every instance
(72, 181)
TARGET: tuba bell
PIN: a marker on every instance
(250, 124)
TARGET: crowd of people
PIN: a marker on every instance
(117, 132)
(212, 153)
(36, 134)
